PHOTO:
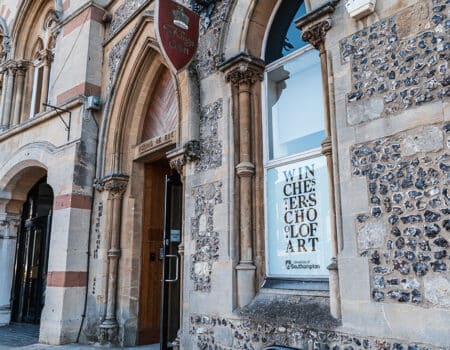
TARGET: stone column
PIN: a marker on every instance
(314, 27)
(7, 101)
(9, 224)
(47, 58)
(3, 96)
(20, 82)
(243, 71)
(116, 186)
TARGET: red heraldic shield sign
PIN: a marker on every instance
(177, 31)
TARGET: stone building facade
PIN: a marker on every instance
(290, 187)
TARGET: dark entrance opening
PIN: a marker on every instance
(159, 302)
(32, 255)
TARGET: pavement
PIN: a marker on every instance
(22, 336)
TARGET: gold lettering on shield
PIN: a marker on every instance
(178, 40)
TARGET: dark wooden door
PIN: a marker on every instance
(170, 320)
(151, 262)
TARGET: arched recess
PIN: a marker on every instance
(34, 33)
(251, 39)
(5, 40)
(134, 133)
(31, 20)
(263, 18)
(22, 171)
(15, 185)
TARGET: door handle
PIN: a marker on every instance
(173, 256)
(152, 256)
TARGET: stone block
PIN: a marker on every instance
(437, 290)
(427, 139)
(371, 235)
(363, 111)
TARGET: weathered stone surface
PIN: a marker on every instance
(210, 145)
(260, 332)
(400, 62)
(123, 13)
(371, 235)
(363, 111)
(409, 228)
(428, 139)
(206, 197)
(437, 290)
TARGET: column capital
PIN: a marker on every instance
(46, 55)
(115, 184)
(21, 67)
(9, 224)
(243, 69)
(316, 24)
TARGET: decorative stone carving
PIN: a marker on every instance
(316, 24)
(6, 47)
(123, 13)
(246, 71)
(315, 35)
(178, 157)
(9, 224)
(115, 57)
(210, 147)
(205, 9)
(214, 16)
(206, 197)
(192, 150)
(115, 184)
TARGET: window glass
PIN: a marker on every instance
(296, 122)
(284, 37)
(298, 219)
(298, 243)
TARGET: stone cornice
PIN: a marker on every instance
(243, 69)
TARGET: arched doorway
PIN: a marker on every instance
(28, 294)
(145, 124)
(161, 220)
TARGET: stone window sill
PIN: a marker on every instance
(300, 286)
(270, 306)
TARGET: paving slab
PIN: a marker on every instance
(22, 336)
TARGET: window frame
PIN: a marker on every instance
(304, 284)
(37, 65)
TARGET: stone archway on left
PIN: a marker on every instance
(12, 198)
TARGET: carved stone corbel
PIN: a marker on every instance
(180, 156)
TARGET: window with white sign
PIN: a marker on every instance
(298, 243)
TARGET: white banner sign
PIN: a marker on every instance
(298, 219)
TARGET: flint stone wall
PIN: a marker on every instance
(393, 68)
